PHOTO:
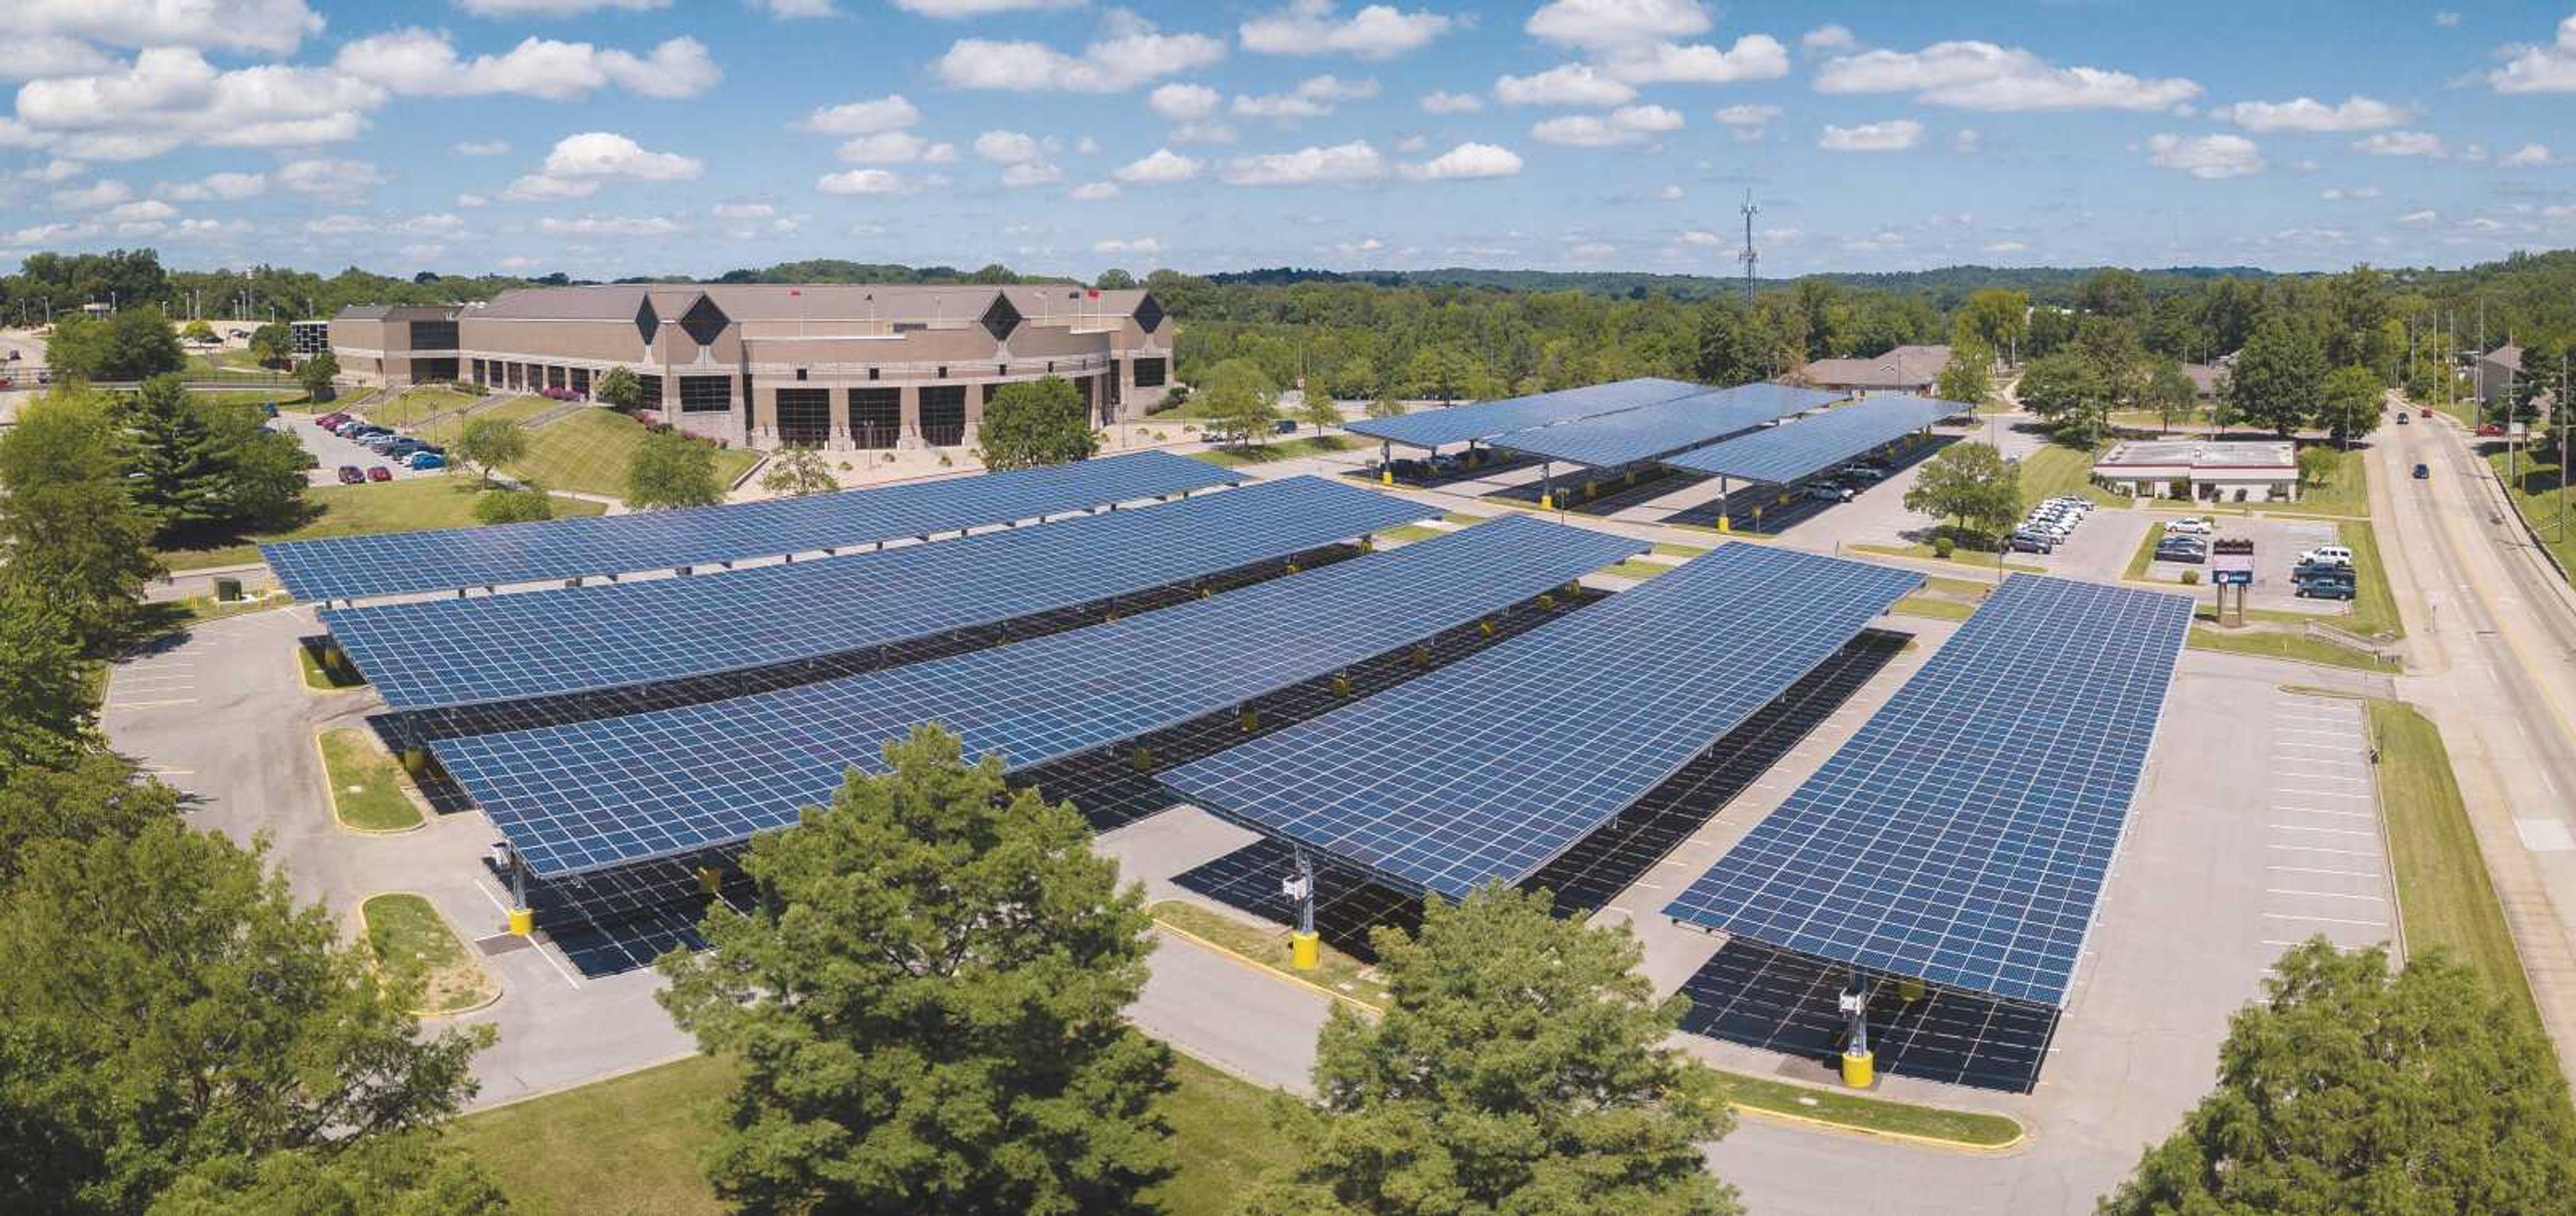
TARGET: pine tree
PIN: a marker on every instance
(175, 470)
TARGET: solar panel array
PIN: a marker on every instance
(1664, 427)
(443, 652)
(1491, 767)
(613, 790)
(355, 567)
(1807, 446)
(1432, 428)
(1964, 834)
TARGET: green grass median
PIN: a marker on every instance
(410, 940)
(366, 785)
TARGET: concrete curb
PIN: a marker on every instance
(332, 793)
(366, 932)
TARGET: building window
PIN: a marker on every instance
(805, 416)
(876, 417)
(1001, 318)
(1149, 373)
(478, 373)
(554, 376)
(874, 372)
(433, 335)
(581, 381)
(704, 322)
(943, 372)
(706, 394)
(800, 373)
(1149, 314)
(943, 415)
(648, 392)
(1001, 369)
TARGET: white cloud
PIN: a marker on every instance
(1184, 102)
(54, 171)
(2357, 113)
(1825, 38)
(1007, 147)
(1334, 88)
(1623, 126)
(554, 8)
(41, 56)
(1603, 24)
(418, 62)
(102, 193)
(2207, 157)
(743, 211)
(888, 113)
(599, 225)
(1031, 173)
(1592, 251)
(277, 26)
(1893, 136)
(957, 9)
(1203, 133)
(2402, 143)
(1704, 239)
(1142, 245)
(169, 97)
(2419, 219)
(894, 148)
(861, 181)
(1571, 84)
(2004, 247)
(333, 181)
(539, 188)
(2335, 194)
(1281, 107)
(1466, 162)
(2527, 155)
(1671, 194)
(1967, 142)
(1163, 167)
(1351, 162)
(2446, 19)
(608, 154)
(226, 187)
(1984, 76)
(2539, 69)
(437, 223)
(1747, 116)
(1753, 57)
(488, 147)
(1093, 192)
(47, 234)
(790, 10)
(1437, 102)
(472, 200)
(1129, 53)
(1315, 27)
(338, 225)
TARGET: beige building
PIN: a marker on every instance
(2209, 470)
(833, 365)
(1905, 369)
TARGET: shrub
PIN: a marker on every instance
(2179, 487)
(1943, 546)
(2191, 578)
(2240, 493)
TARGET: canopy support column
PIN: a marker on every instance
(1303, 952)
(1724, 527)
(1859, 1065)
(1385, 462)
(1546, 484)
(523, 919)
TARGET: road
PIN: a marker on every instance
(2492, 642)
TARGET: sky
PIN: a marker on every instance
(603, 138)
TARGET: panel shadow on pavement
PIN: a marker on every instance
(1587, 877)
(1757, 996)
(612, 921)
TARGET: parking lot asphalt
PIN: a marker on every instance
(333, 452)
(2278, 542)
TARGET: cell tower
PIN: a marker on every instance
(1748, 257)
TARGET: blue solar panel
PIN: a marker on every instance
(1792, 450)
(614, 790)
(356, 567)
(1491, 767)
(1666, 426)
(504, 647)
(1432, 428)
(1963, 835)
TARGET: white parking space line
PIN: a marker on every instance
(2320, 870)
(2329, 920)
(2309, 810)
(2324, 794)
(2290, 827)
(2322, 894)
(2318, 848)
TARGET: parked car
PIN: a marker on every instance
(1285, 426)
(1864, 472)
(426, 459)
(2402, 417)
(2489, 430)
(332, 419)
(2423, 472)
(2194, 526)
(1829, 493)
(2327, 555)
(2325, 588)
(2186, 555)
(2027, 541)
(351, 474)
(2425, 412)
(380, 473)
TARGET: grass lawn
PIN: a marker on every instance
(1669, 549)
(2296, 647)
(589, 451)
(1409, 533)
(2346, 492)
(1283, 449)
(1641, 571)
(1934, 608)
(1958, 586)
(282, 398)
(1963, 557)
(409, 504)
(1853, 1110)
(416, 404)
(2146, 554)
(515, 409)
(2442, 885)
(320, 678)
(630, 1146)
(2056, 469)
(366, 785)
(2374, 606)
(1268, 945)
(408, 938)
(2537, 493)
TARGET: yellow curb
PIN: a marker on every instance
(334, 796)
(366, 933)
(1761, 1112)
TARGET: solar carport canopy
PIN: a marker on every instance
(1493, 766)
(1808, 446)
(433, 653)
(1963, 835)
(1461, 423)
(605, 792)
(357, 567)
(1654, 430)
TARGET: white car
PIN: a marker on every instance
(2327, 555)
(2190, 527)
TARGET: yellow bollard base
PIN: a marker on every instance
(1543, 503)
(710, 880)
(1385, 477)
(1910, 989)
(1725, 526)
(1860, 1069)
(1304, 952)
(523, 922)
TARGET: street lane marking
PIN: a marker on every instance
(149, 704)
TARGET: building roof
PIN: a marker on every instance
(811, 301)
(1902, 367)
(2197, 454)
(2508, 355)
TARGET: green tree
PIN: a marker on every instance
(527, 504)
(190, 1010)
(1384, 405)
(48, 704)
(89, 796)
(1522, 1065)
(173, 470)
(2114, 292)
(263, 478)
(1319, 411)
(1993, 317)
(133, 344)
(2277, 378)
(925, 1002)
(73, 539)
(1970, 483)
(1114, 279)
(197, 331)
(1729, 348)
(2170, 392)
(489, 443)
(1035, 422)
(2348, 404)
(2068, 392)
(798, 470)
(1439, 371)
(403, 1175)
(1968, 378)
(1240, 398)
(618, 388)
(2351, 1089)
(316, 375)
(2318, 465)
(272, 344)
(670, 469)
